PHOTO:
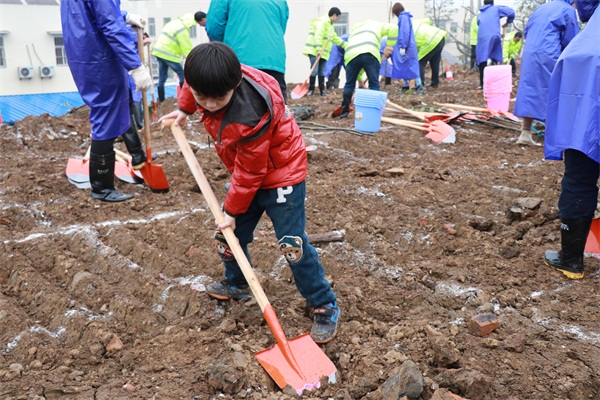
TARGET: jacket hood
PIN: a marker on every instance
(570, 2)
(586, 8)
(485, 7)
(188, 20)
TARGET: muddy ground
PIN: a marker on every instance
(106, 301)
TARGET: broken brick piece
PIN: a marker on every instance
(483, 324)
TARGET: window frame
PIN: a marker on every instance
(343, 24)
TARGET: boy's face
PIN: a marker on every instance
(212, 104)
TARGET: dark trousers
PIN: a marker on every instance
(333, 80)
(579, 193)
(473, 56)
(370, 64)
(285, 208)
(481, 68)
(513, 64)
(320, 68)
(280, 79)
(434, 58)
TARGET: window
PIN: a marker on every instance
(442, 24)
(193, 32)
(166, 20)
(2, 56)
(151, 27)
(453, 27)
(59, 50)
(341, 26)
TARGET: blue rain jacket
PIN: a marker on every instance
(573, 119)
(99, 54)
(336, 56)
(135, 94)
(489, 39)
(548, 31)
(406, 66)
(253, 29)
(386, 65)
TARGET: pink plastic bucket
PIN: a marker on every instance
(497, 86)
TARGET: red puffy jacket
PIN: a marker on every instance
(256, 137)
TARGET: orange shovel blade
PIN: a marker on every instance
(153, 174)
(311, 361)
(299, 91)
(592, 245)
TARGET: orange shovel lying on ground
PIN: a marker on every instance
(299, 362)
(153, 174)
(78, 171)
(494, 113)
(592, 245)
(301, 90)
(438, 131)
(425, 116)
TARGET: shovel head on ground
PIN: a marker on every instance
(153, 174)
(592, 245)
(78, 172)
(299, 91)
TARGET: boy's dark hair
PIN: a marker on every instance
(397, 8)
(486, 2)
(199, 16)
(519, 34)
(334, 11)
(212, 69)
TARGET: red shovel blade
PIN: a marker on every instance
(153, 174)
(592, 245)
(78, 172)
(441, 132)
(299, 91)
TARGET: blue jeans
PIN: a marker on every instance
(320, 68)
(163, 70)
(285, 208)
(370, 64)
(579, 193)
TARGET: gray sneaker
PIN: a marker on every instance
(225, 290)
(326, 318)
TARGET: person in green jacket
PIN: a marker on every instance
(511, 48)
(173, 44)
(430, 43)
(321, 37)
(473, 41)
(255, 31)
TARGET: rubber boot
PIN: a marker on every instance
(311, 85)
(161, 93)
(102, 178)
(134, 147)
(569, 260)
(346, 99)
(526, 139)
(322, 91)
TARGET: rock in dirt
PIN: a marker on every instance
(225, 378)
(466, 382)
(445, 394)
(445, 353)
(115, 344)
(406, 380)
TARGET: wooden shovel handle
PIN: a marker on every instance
(215, 208)
(460, 106)
(406, 110)
(408, 124)
(147, 136)
(318, 58)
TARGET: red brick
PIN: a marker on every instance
(483, 324)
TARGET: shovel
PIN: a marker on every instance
(153, 174)
(427, 117)
(592, 245)
(301, 90)
(78, 171)
(154, 117)
(437, 131)
(124, 170)
(299, 362)
(493, 113)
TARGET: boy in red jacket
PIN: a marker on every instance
(261, 145)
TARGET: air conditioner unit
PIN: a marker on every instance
(47, 72)
(25, 72)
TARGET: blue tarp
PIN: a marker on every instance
(17, 107)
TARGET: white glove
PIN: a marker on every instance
(402, 52)
(141, 77)
(134, 20)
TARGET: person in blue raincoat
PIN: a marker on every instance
(489, 38)
(255, 31)
(334, 64)
(549, 30)
(405, 58)
(573, 134)
(99, 55)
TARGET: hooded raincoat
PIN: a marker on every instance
(427, 36)
(549, 30)
(573, 119)
(321, 29)
(253, 29)
(510, 48)
(99, 54)
(174, 41)
(489, 39)
(405, 66)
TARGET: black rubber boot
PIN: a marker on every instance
(569, 260)
(311, 85)
(322, 91)
(134, 147)
(346, 99)
(161, 93)
(102, 178)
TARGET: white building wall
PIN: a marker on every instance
(28, 26)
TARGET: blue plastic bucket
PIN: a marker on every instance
(368, 109)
